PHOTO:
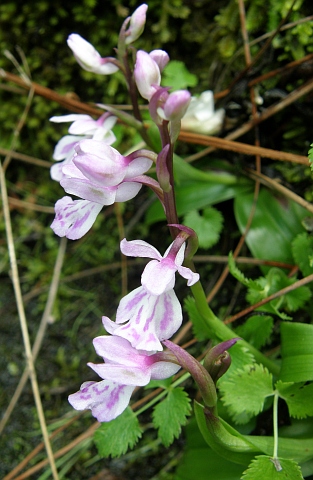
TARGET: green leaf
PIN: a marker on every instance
(116, 437)
(302, 250)
(296, 352)
(207, 226)
(267, 468)
(238, 395)
(176, 75)
(170, 414)
(275, 224)
(234, 270)
(298, 398)
(256, 330)
(200, 462)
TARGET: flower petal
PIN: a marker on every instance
(106, 399)
(85, 189)
(74, 217)
(122, 374)
(139, 248)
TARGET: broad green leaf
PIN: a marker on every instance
(207, 226)
(267, 468)
(238, 395)
(298, 398)
(275, 224)
(224, 439)
(116, 437)
(296, 352)
(256, 330)
(200, 462)
(199, 326)
(170, 414)
(299, 449)
(302, 249)
(176, 76)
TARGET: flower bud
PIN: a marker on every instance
(147, 74)
(88, 57)
(175, 106)
(137, 24)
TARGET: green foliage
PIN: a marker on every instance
(116, 437)
(198, 325)
(207, 226)
(296, 352)
(256, 330)
(302, 249)
(238, 395)
(274, 281)
(298, 397)
(176, 76)
(171, 414)
(264, 467)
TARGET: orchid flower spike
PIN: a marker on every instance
(89, 58)
(125, 368)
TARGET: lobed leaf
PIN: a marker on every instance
(264, 467)
(298, 397)
(246, 390)
(171, 414)
(116, 437)
(207, 226)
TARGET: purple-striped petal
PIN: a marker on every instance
(74, 217)
(106, 399)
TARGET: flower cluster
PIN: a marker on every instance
(133, 354)
(91, 169)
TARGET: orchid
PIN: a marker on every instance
(100, 176)
(151, 313)
(159, 274)
(201, 117)
(137, 24)
(123, 370)
(145, 320)
(148, 70)
(89, 58)
(83, 127)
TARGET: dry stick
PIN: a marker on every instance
(273, 73)
(15, 202)
(23, 321)
(223, 143)
(280, 293)
(41, 330)
(245, 260)
(270, 111)
(269, 182)
(244, 148)
(261, 51)
(25, 158)
(241, 242)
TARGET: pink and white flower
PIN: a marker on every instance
(99, 175)
(83, 127)
(151, 313)
(123, 370)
